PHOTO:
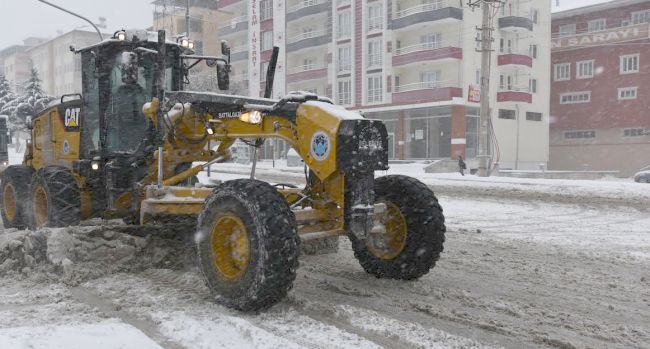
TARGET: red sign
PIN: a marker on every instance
(474, 94)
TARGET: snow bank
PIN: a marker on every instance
(76, 254)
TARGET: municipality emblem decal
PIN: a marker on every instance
(320, 146)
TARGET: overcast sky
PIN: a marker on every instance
(23, 18)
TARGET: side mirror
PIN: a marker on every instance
(225, 49)
(28, 123)
(223, 75)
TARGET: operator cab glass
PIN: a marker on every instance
(118, 79)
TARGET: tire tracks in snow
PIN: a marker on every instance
(141, 322)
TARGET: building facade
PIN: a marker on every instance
(600, 89)
(411, 63)
(15, 63)
(57, 66)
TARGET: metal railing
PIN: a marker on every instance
(306, 67)
(436, 5)
(423, 47)
(235, 21)
(304, 3)
(307, 35)
(514, 89)
(425, 85)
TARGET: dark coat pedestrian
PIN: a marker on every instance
(461, 165)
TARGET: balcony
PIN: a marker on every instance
(515, 94)
(239, 53)
(224, 4)
(308, 8)
(429, 51)
(426, 13)
(307, 72)
(236, 24)
(516, 23)
(308, 39)
(428, 91)
(515, 58)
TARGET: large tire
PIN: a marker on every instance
(14, 189)
(247, 245)
(54, 198)
(415, 231)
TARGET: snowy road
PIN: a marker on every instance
(538, 274)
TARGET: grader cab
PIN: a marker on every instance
(129, 146)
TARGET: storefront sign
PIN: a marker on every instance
(254, 49)
(610, 36)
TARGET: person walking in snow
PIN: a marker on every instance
(461, 165)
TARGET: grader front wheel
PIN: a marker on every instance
(414, 231)
(247, 245)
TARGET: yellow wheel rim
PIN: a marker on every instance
(230, 246)
(40, 206)
(389, 245)
(9, 201)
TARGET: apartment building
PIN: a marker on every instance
(15, 63)
(58, 67)
(412, 64)
(600, 89)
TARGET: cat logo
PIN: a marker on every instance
(72, 117)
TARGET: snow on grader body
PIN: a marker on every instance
(126, 150)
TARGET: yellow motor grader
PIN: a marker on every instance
(131, 144)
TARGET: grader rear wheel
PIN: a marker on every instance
(15, 188)
(247, 245)
(54, 198)
(414, 235)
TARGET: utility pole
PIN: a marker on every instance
(187, 19)
(486, 30)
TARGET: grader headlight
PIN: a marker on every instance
(94, 165)
(120, 35)
(251, 117)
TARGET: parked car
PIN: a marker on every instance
(642, 177)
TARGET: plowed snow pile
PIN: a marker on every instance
(76, 254)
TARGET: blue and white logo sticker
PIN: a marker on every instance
(66, 147)
(320, 146)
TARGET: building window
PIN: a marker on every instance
(374, 89)
(579, 134)
(266, 9)
(597, 25)
(575, 97)
(532, 51)
(641, 17)
(532, 85)
(309, 63)
(345, 59)
(531, 116)
(375, 17)
(534, 15)
(343, 29)
(267, 40)
(431, 41)
(344, 92)
(630, 64)
(585, 69)
(374, 53)
(635, 132)
(627, 93)
(568, 30)
(264, 67)
(507, 114)
(430, 79)
(563, 72)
